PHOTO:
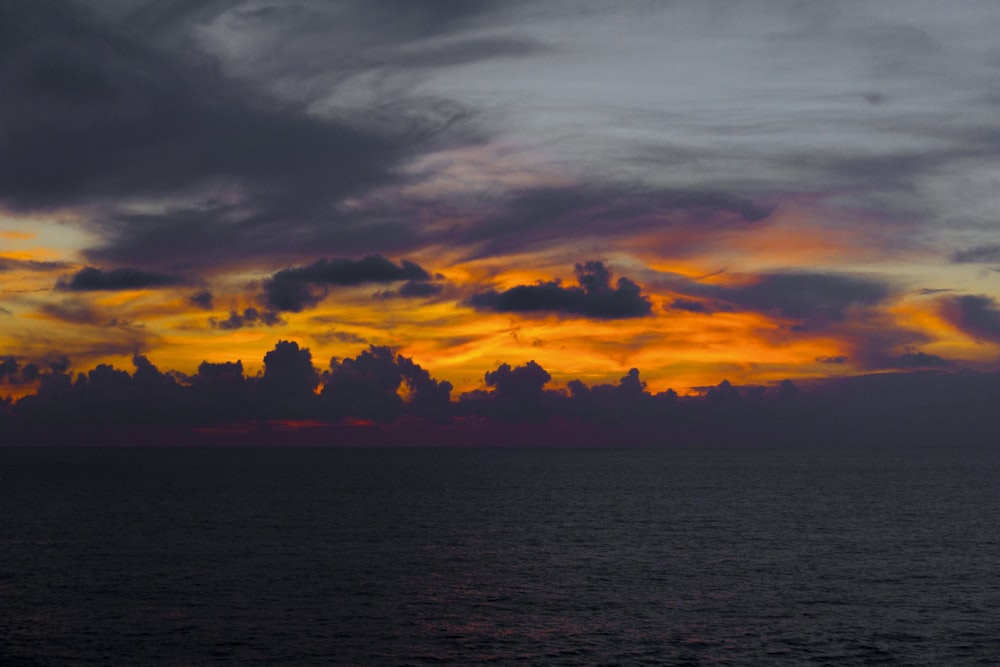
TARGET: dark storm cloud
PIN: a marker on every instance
(96, 114)
(975, 315)
(297, 288)
(220, 235)
(542, 216)
(365, 387)
(979, 254)
(92, 113)
(250, 317)
(91, 279)
(594, 297)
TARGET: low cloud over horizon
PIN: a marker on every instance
(472, 184)
(381, 387)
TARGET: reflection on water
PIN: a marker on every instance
(545, 557)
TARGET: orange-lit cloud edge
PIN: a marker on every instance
(672, 347)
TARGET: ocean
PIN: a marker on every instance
(641, 556)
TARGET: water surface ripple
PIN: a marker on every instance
(505, 556)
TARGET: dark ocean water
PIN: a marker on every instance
(467, 557)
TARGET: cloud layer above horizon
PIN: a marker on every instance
(704, 190)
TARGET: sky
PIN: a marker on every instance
(698, 189)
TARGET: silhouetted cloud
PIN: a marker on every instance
(288, 371)
(518, 395)
(429, 398)
(92, 279)
(201, 300)
(365, 387)
(519, 382)
(250, 317)
(75, 311)
(297, 288)
(918, 406)
(224, 372)
(12, 372)
(594, 297)
(975, 315)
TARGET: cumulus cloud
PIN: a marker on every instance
(289, 372)
(906, 406)
(594, 297)
(220, 372)
(298, 288)
(518, 395)
(92, 279)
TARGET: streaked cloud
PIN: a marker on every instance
(92, 279)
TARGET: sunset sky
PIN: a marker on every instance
(701, 189)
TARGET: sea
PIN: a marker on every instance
(741, 555)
